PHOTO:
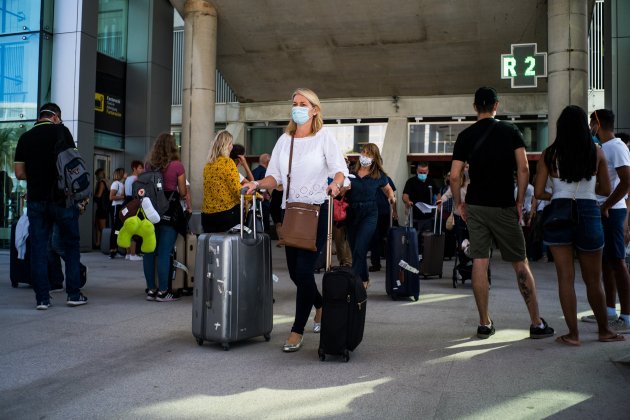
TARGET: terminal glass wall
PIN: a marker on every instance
(439, 137)
(262, 137)
(25, 81)
(112, 28)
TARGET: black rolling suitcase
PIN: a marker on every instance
(19, 270)
(233, 287)
(344, 304)
(402, 280)
(433, 256)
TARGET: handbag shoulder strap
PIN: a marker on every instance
(290, 165)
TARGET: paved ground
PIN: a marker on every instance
(123, 357)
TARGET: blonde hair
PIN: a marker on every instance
(317, 121)
(376, 168)
(163, 152)
(119, 173)
(220, 146)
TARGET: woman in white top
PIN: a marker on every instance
(117, 197)
(316, 157)
(578, 170)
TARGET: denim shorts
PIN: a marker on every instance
(588, 235)
(614, 247)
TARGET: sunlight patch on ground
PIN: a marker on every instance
(436, 297)
(532, 405)
(282, 319)
(265, 403)
(466, 349)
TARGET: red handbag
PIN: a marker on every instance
(340, 210)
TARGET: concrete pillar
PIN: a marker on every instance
(567, 57)
(394, 156)
(73, 82)
(198, 100)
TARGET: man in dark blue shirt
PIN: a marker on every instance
(259, 173)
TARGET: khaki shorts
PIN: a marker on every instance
(500, 224)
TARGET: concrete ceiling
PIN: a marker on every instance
(371, 48)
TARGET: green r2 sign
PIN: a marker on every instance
(524, 66)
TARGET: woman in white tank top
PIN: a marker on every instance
(577, 169)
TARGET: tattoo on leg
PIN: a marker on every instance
(521, 278)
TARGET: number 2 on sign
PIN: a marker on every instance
(532, 65)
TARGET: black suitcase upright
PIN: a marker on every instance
(402, 245)
(19, 270)
(344, 304)
(433, 254)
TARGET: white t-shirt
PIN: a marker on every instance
(129, 185)
(315, 159)
(529, 196)
(617, 156)
(120, 190)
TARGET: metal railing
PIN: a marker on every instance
(596, 48)
(223, 91)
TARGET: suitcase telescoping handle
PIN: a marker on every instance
(437, 226)
(331, 203)
(243, 192)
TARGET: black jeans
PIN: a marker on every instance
(361, 225)
(221, 221)
(376, 247)
(301, 264)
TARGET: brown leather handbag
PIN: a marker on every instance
(299, 226)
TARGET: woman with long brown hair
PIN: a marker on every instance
(363, 211)
(164, 157)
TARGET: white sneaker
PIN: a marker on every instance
(127, 257)
(620, 326)
(593, 320)
(134, 258)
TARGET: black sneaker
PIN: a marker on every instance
(544, 332)
(484, 332)
(42, 306)
(78, 301)
(166, 296)
(150, 294)
(374, 268)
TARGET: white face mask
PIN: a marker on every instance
(365, 161)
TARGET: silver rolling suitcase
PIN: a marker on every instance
(233, 288)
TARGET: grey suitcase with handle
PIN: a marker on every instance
(433, 254)
(233, 288)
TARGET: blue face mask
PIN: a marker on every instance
(299, 114)
(422, 177)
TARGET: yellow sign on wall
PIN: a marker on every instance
(99, 102)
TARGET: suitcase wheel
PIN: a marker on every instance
(200, 341)
(226, 346)
(394, 296)
(267, 336)
(14, 284)
(346, 356)
(415, 298)
(322, 355)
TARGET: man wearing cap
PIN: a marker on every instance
(35, 161)
(494, 150)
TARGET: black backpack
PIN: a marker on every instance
(150, 184)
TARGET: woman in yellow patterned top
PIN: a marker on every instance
(221, 187)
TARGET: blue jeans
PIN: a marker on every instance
(361, 225)
(614, 247)
(42, 216)
(166, 236)
(301, 264)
